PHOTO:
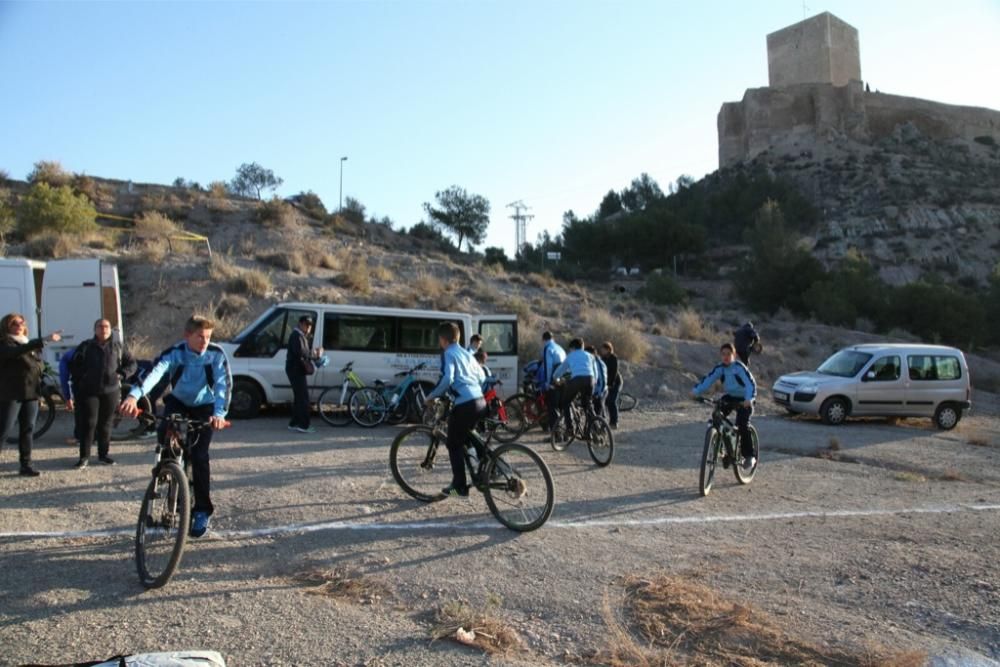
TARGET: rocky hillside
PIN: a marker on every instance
(909, 202)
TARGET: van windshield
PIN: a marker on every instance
(845, 364)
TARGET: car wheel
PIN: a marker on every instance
(834, 411)
(947, 416)
(246, 399)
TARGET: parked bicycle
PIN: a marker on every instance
(514, 480)
(334, 404)
(392, 404)
(627, 402)
(588, 427)
(722, 440)
(165, 514)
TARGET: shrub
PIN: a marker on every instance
(663, 289)
(51, 172)
(311, 204)
(218, 189)
(86, 186)
(355, 274)
(688, 324)
(55, 209)
(252, 282)
(428, 286)
(626, 335)
(276, 213)
(155, 250)
(221, 268)
(231, 304)
(382, 273)
(290, 261)
(155, 225)
(8, 219)
(319, 257)
(51, 245)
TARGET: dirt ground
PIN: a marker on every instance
(895, 544)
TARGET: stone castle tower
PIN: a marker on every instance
(815, 95)
(822, 49)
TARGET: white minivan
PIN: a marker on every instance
(380, 341)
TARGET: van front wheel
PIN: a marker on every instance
(947, 416)
(246, 399)
(834, 411)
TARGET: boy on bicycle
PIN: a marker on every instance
(463, 377)
(552, 356)
(202, 386)
(582, 369)
(741, 390)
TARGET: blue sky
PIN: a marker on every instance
(550, 102)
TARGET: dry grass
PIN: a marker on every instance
(909, 476)
(155, 225)
(428, 286)
(952, 476)
(222, 268)
(543, 281)
(688, 324)
(52, 245)
(319, 257)
(292, 260)
(342, 583)
(154, 251)
(276, 213)
(675, 621)
(252, 282)
(382, 273)
(626, 335)
(492, 634)
(355, 274)
(230, 305)
(142, 348)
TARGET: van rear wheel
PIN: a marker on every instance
(947, 416)
(834, 411)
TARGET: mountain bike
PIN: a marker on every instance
(514, 480)
(588, 427)
(496, 424)
(165, 514)
(334, 407)
(46, 404)
(722, 440)
(393, 404)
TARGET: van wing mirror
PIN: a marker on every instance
(870, 375)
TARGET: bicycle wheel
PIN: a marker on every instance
(368, 407)
(419, 462)
(627, 402)
(162, 531)
(510, 429)
(600, 441)
(519, 418)
(331, 410)
(400, 412)
(518, 487)
(709, 459)
(745, 475)
(560, 437)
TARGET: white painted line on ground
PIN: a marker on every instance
(479, 525)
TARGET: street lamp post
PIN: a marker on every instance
(341, 207)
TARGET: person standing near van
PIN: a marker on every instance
(299, 365)
(21, 371)
(614, 379)
(475, 343)
(745, 340)
(96, 372)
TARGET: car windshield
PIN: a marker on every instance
(845, 364)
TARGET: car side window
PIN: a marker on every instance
(931, 367)
(272, 336)
(886, 369)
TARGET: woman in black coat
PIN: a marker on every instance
(21, 370)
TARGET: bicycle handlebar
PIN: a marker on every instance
(348, 367)
(180, 419)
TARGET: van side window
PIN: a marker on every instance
(418, 335)
(499, 337)
(271, 336)
(932, 367)
(886, 369)
(367, 333)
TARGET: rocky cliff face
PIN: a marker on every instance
(912, 185)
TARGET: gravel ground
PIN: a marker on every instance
(894, 544)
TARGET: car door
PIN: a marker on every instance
(882, 388)
(933, 379)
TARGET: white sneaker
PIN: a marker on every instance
(749, 462)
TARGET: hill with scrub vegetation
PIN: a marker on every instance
(184, 248)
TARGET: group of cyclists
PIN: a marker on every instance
(201, 382)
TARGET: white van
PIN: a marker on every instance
(66, 295)
(380, 341)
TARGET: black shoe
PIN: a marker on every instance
(28, 471)
(107, 460)
(451, 491)
(81, 464)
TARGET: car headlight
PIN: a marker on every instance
(809, 389)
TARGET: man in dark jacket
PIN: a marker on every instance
(96, 372)
(298, 368)
(614, 380)
(744, 340)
